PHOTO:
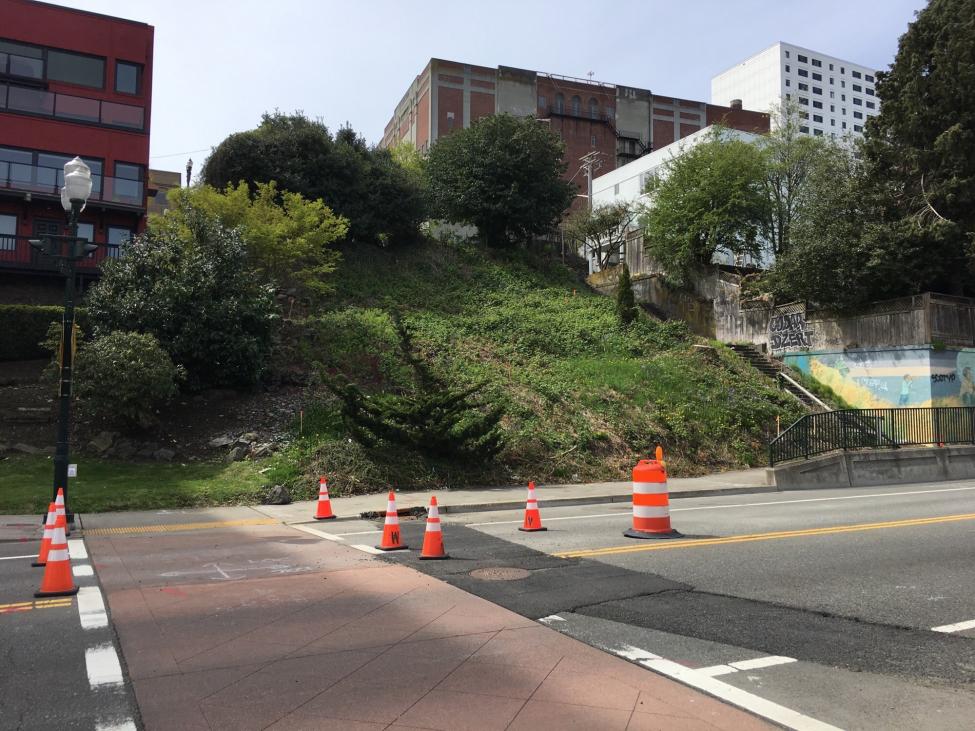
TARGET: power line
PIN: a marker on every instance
(177, 154)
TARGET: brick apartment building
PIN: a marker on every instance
(71, 83)
(620, 122)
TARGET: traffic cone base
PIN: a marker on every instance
(632, 533)
(392, 538)
(326, 517)
(531, 530)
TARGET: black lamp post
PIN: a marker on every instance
(67, 251)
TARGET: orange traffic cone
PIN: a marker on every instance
(533, 519)
(52, 514)
(392, 540)
(651, 501)
(59, 501)
(57, 579)
(433, 538)
(324, 511)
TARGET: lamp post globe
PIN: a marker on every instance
(77, 184)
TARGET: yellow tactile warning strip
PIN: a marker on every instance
(172, 527)
(664, 545)
(36, 604)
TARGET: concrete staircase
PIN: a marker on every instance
(754, 356)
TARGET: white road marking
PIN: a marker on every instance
(82, 569)
(316, 532)
(635, 653)
(957, 627)
(762, 662)
(359, 533)
(127, 725)
(103, 666)
(717, 670)
(551, 618)
(733, 505)
(368, 549)
(77, 550)
(11, 558)
(737, 697)
(91, 608)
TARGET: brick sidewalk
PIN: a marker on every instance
(256, 627)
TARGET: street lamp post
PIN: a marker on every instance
(67, 251)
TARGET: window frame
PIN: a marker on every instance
(8, 242)
(138, 77)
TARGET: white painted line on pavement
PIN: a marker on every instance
(82, 569)
(551, 618)
(732, 505)
(11, 558)
(77, 550)
(737, 697)
(717, 670)
(635, 653)
(316, 532)
(368, 549)
(127, 725)
(761, 662)
(103, 666)
(360, 533)
(957, 627)
(91, 608)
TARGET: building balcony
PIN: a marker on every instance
(47, 182)
(17, 253)
(70, 108)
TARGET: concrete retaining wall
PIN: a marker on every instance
(877, 467)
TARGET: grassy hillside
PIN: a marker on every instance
(584, 397)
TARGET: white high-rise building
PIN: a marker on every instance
(835, 97)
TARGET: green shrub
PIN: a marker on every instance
(123, 378)
(24, 327)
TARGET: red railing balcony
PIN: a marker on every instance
(17, 253)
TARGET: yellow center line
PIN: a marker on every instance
(38, 604)
(173, 527)
(665, 545)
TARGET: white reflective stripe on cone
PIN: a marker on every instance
(392, 519)
(433, 513)
(433, 528)
(649, 488)
(648, 511)
(59, 555)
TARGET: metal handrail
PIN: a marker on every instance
(804, 391)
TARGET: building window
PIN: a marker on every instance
(856, 74)
(8, 230)
(576, 106)
(817, 90)
(869, 91)
(868, 77)
(19, 60)
(858, 128)
(832, 122)
(803, 87)
(857, 102)
(858, 115)
(450, 122)
(871, 105)
(804, 130)
(831, 67)
(844, 111)
(857, 87)
(787, 68)
(804, 115)
(802, 59)
(832, 95)
(842, 97)
(788, 83)
(74, 68)
(818, 132)
(803, 100)
(786, 54)
(559, 103)
(844, 125)
(817, 77)
(128, 77)
(118, 237)
(128, 178)
(541, 102)
(802, 72)
(788, 96)
(817, 118)
(593, 109)
(832, 108)
(817, 62)
(842, 69)
(817, 105)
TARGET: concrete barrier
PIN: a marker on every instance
(876, 467)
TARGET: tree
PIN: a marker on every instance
(379, 198)
(601, 231)
(503, 175)
(626, 308)
(919, 147)
(193, 291)
(287, 238)
(708, 199)
(435, 418)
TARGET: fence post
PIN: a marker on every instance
(805, 434)
(843, 427)
(971, 422)
(937, 426)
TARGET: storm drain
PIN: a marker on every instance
(500, 573)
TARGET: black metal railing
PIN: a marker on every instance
(17, 253)
(48, 181)
(830, 431)
(42, 103)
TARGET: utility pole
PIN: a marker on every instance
(590, 162)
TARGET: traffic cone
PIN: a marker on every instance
(52, 514)
(651, 501)
(533, 519)
(57, 579)
(392, 540)
(324, 511)
(433, 537)
(59, 501)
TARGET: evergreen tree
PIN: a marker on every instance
(626, 308)
(436, 418)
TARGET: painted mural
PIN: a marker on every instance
(873, 379)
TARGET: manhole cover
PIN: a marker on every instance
(500, 573)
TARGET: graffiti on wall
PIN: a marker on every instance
(788, 331)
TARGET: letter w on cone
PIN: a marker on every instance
(392, 538)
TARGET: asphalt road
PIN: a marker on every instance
(844, 585)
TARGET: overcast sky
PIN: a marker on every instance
(219, 64)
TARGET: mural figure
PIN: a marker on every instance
(967, 390)
(905, 390)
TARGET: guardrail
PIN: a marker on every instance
(831, 431)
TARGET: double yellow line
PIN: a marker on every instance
(175, 527)
(664, 545)
(37, 604)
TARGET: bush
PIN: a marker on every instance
(626, 309)
(192, 291)
(24, 327)
(123, 378)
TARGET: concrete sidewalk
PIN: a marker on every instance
(504, 498)
(253, 626)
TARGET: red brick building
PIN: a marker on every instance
(621, 123)
(71, 83)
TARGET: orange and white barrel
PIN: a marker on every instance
(651, 502)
